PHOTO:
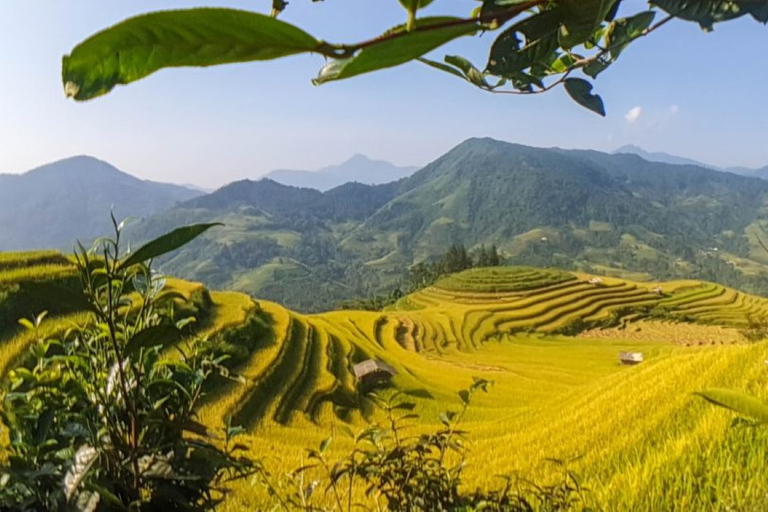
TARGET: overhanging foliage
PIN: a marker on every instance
(542, 43)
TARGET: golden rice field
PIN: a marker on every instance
(643, 440)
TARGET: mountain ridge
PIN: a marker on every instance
(576, 209)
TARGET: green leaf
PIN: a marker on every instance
(397, 50)
(137, 47)
(530, 43)
(414, 5)
(153, 336)
(471, 73)
(758, 10)
(442, 67)
(708, 12)
(581, 18)
(581, 92)
(738, 402)
(624, 30)
(325, 445)
(491, 7)
(167, 243)
(27, 324)
(44, 422)
(106, 495)
(594, 68)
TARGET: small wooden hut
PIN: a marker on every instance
(595, 281)
(631, 358)
(658, 290)
(373, 372)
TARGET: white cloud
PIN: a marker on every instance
(633, 114)
(674, 109)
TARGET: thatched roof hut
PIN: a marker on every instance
(373, 370)
(631, 357)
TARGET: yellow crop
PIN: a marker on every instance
(644, 441)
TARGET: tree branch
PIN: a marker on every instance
(499, 18)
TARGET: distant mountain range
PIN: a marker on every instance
(679, 160)
(573, 209)
(310, 248)
(358, 169)
(56, 204)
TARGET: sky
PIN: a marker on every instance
(680, 90)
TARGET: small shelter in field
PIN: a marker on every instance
(631, 357)
(595, 280)
(373, 371)
(658, 290)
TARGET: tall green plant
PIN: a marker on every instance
(102, 418)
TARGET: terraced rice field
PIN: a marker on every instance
(645, 442)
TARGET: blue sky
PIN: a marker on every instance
(680, 90)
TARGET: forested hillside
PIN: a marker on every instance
(573, 209)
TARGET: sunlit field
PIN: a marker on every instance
(549, 340)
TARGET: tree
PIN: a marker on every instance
(541, 44)
(483, 257)
(456, 260)
(494, 259)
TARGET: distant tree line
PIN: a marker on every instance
(426, 273)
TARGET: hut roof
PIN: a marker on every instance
(372, 366)
(631, 356)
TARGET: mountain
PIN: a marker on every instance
(761, 173)
(662, 157)
(574, 209)
(358, 169)
(53, 205)
(666, 158)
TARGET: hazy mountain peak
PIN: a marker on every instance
(79, 164)
(357, 158)
(71, 199)
(358, 168)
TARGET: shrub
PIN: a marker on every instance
(422, 472)
(98, 419)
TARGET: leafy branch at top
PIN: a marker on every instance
(541, 43)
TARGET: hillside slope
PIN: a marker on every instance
(54, 205)
(574, 209)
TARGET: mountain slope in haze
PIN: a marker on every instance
(661, 157)
(54, 205)
(358, 169)
(573, 209)
(761, 173)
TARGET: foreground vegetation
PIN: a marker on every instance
(638, 436)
